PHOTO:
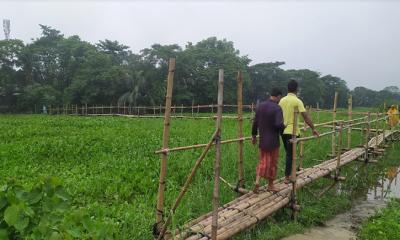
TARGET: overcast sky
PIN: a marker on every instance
(358, 41)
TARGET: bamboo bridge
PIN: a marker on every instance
(249, 209)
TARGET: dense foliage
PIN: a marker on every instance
(109, 171)
(56, 70)
(45, 212)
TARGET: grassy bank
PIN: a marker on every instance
(385, 225)
(109, 167)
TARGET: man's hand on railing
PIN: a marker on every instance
(254, 140)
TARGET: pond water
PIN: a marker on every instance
(365, 204)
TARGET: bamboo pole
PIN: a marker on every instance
(384, 129)
(214, 227)
(367, 134)
(376, 132)
(350, 113)
(318, 112)
(294, 158)
(181, 109)
(301, 155)
(186, 185)
(334, 124)
(339, 151)
(176, 149)
(294, 144)
(192, 108)
(302, 143)
(164, 157)
(240, 127)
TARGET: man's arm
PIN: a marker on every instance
(254, 128)
(309, 122)
(279, 125)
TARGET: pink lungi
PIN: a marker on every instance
(267, 165)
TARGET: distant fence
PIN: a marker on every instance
(177, 110)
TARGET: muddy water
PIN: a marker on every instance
(345, 226)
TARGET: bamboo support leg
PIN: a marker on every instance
(367, 135)
(240, 128)
(294, 158)
(163, 167)
(350, 117)
(334, 124)
(339, 151)
(214, 224)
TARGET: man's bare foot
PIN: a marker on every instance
(287, 180)
(256, 187)
(273, 189)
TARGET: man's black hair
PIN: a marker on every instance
(292, 86)
(275, 92)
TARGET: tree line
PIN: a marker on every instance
(57, 70)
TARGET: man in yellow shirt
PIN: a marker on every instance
(288, 105)
(393, 116)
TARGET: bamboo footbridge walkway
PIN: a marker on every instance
(250, 208)
(225, 221)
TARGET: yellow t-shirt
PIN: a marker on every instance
(393, 117)
(288, 104)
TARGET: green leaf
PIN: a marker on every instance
(61, 193)
(29, 212)
(11, 214)
(3, 188)
(3, 234)
(3, 202)
(76, 232)
(35, 195)
(55, 236)
(14, 216)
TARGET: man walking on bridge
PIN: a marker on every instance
(269, 122)
(288, 105)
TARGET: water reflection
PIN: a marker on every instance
(386, 187)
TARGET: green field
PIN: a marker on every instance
(108, 166)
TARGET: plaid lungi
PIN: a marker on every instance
(267, 165)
